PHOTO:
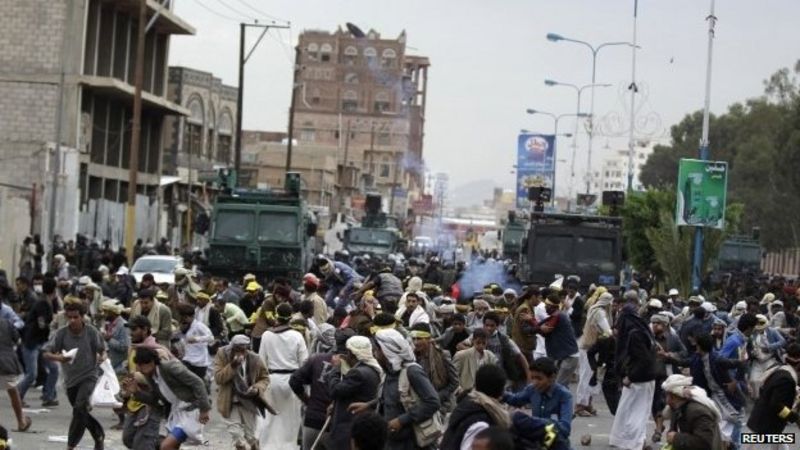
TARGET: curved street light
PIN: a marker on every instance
(555, 37)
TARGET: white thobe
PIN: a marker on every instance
(629, 430)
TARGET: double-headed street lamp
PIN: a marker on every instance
(556, 119)
(595, 50)
(579, 114)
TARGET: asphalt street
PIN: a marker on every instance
(49, 429)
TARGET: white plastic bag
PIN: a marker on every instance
(106, 389)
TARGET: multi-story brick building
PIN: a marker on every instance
(92, 43)
(364, 97)
(195, 144)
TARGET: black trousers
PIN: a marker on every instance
(200, 372)
(79, 396)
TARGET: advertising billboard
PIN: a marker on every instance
(702, 187)
(535, 164)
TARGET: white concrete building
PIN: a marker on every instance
(613, 172)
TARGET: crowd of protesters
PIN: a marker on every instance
(395, 354)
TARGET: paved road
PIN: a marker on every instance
(50, 425)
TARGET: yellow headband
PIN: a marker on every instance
(419, 334)
(375, 328)
(501, 310)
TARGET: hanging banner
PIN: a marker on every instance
(702, 187)
(535, 164)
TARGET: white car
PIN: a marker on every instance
(161, 266)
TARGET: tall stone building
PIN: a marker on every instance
(364, 97)
(93, 44)
(196, 144)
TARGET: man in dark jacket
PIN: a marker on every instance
(667, 344)
(35, 334)
(773, 408)
(437, 364)
(359, 385)
(559, 339)
(185, 387)
(479, 410)
(635, 365)
(695, 418)
(312, 373)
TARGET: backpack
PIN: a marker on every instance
(429, 431)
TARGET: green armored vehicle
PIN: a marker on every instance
(264, 232)
(378, 235)
(512, 237)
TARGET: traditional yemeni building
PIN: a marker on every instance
(365, 98)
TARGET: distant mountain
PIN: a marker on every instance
(472, 194)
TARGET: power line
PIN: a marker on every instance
(246, 16)
(286, 50)
(216, 13)
(260, 12)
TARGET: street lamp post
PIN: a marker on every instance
(556, 119)
(595, 50)
(579, 91)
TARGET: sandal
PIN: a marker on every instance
(583, 413)
(27, 424)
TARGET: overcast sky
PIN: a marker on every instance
(490, 58)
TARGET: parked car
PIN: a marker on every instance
(161, 266)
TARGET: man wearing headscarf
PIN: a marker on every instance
(524, 321)
(283, 349)
(397, 359)
(635, 361)
(242, 381)
(668, 345)
(695, 417)
(767, 349)
(360, 384)
(116, 335)
(437, 365)
(312, 373)
(475, 318)
(597, 326)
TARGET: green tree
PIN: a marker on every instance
(760, 140)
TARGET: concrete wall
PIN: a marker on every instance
(15, 223)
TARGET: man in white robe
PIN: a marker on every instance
(283, 350)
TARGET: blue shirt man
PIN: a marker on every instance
(550, 402)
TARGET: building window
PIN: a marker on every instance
(210, 132)
(388, 58)
(382, 102)
(350, 55)
(325, 52)
(193, 137)
(384, 138)
(385, 167)
(307, 132)
(350, 101)
(224, 139)
(351, 78)
(312, 51)
(370, 56)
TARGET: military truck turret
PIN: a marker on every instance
(378, 234)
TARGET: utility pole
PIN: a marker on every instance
(133, 169)
(291, 109)
(394, 182)
(343, 176)
(697, 263)
(240, 98)
(56, 164)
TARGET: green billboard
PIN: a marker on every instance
(702, 186)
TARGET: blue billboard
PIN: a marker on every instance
(535, 164)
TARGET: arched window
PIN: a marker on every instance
(312, 50)
(212, 119)
(224, 139)
(350, 55)
(351, 78)
(349, 101)
(370, 55)
(193, 129)
(325, 52)
(315, 96)
(388, 58)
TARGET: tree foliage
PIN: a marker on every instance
(760, 140)
(655, 244)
